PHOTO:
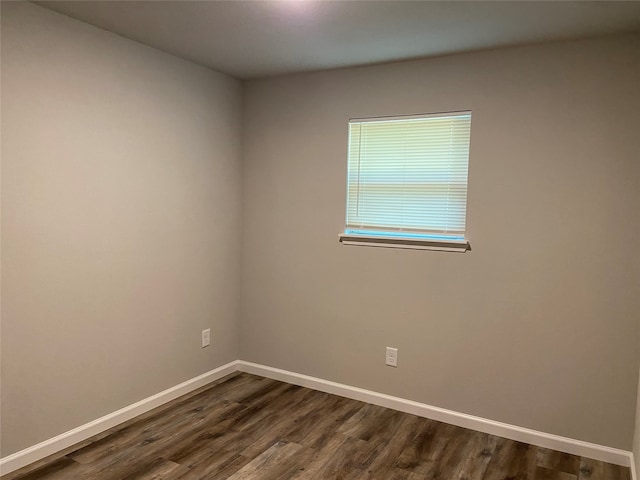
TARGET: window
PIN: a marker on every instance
(407, 181)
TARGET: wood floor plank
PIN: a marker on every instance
(481, 449)
(543, 473)
(317, 463)
(458, 449)
(369, 422)
(248, 427)
(351, 461)
(188, 412)
(250, 437)
(424, 445)
(160, 469)
(436, 454)
(218, 464)
(554, 460)
(153, 443)
(274, 407)
(512, 460)
(279, 461)
(318, 425)
(60, 469)
(398, 436)
(597, 470)
(279, 425)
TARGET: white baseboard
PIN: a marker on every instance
(512, 432)
(634, 470)
(67, 439)
(83, 432)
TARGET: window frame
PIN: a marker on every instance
(395, 238)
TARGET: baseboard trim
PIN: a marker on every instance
(568, 445)
(48, 447)
(512, 432)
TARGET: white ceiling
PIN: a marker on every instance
(249, 39)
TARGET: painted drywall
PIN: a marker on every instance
(537, 325)
(120, 222)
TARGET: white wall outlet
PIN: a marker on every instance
(392, 357)
(206, 337)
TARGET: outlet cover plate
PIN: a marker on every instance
(206, 337)
(392, 357)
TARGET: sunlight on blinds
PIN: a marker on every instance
(407, 176)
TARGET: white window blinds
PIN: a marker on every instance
(407, 176)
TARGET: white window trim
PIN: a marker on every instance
(461, 245)
(440, 245)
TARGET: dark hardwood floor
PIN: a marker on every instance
(247, 427)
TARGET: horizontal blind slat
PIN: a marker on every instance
(409, 174)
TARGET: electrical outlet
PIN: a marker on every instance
(206, 337)
(392, 357)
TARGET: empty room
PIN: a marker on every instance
(312, 240)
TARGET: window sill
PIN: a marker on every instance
(460, 246)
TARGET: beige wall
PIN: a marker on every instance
(120, 222)
(536, 326)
